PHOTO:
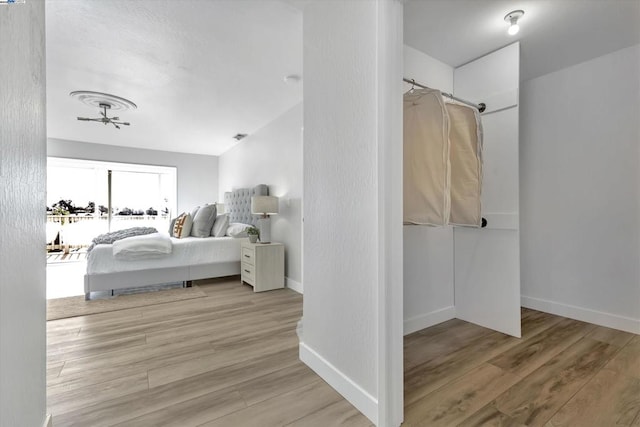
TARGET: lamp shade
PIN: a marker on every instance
(266, 205)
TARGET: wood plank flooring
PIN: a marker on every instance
(561, 373)
(231, 359)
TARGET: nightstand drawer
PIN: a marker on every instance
(248, 272)
(262, 265)
(248, 255)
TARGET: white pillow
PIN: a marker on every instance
(182, 226)
(220, 226)
(238, 230)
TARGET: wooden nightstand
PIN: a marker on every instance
(262, 265)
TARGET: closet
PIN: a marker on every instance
(462, 272)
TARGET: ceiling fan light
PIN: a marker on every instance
(104, 102)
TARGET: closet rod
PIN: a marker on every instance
(481, 107)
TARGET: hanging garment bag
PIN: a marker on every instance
(426, 158)
(465, 137)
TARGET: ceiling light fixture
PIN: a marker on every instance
(512, 19)
(104, 102)
(105, 119)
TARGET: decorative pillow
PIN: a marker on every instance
(220, 226)
(194, 212)
(203, 221)
(173, 222)
(182, 226)
(238, 230)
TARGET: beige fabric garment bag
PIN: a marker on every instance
(426, 158)
(465, 138)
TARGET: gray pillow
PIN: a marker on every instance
(220, 226)
(203, 221)
(173, 222)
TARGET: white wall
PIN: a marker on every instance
(426, 70)
(22, 201)
(197, 174)
(352, 207)
(428, 251)
(487, 260)
(273, 156)
(580, 166)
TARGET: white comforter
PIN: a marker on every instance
(147, 246)
(186, 251)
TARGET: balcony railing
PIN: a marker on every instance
(65, 232)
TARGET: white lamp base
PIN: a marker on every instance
(264, 225)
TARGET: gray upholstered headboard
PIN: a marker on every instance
(237, 203)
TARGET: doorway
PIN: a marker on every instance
(462, 283)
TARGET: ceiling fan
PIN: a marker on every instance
(105, 119)
(104, 102)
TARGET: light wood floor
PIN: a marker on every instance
(561, 373)
(231, 359)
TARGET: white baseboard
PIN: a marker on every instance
(48, 421)
(293, 285)
(351, 391)
(429, 319)
(608, 320)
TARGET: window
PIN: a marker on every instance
(86, 198)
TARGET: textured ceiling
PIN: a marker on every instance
(200, 71)
(553, 34)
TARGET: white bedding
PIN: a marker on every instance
(186, 251)
(147, 246)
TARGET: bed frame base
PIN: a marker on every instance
(138, 278)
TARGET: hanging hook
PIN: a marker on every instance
(413, 86)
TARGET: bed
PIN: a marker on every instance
(192, 258)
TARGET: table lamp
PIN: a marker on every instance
(265, 206)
